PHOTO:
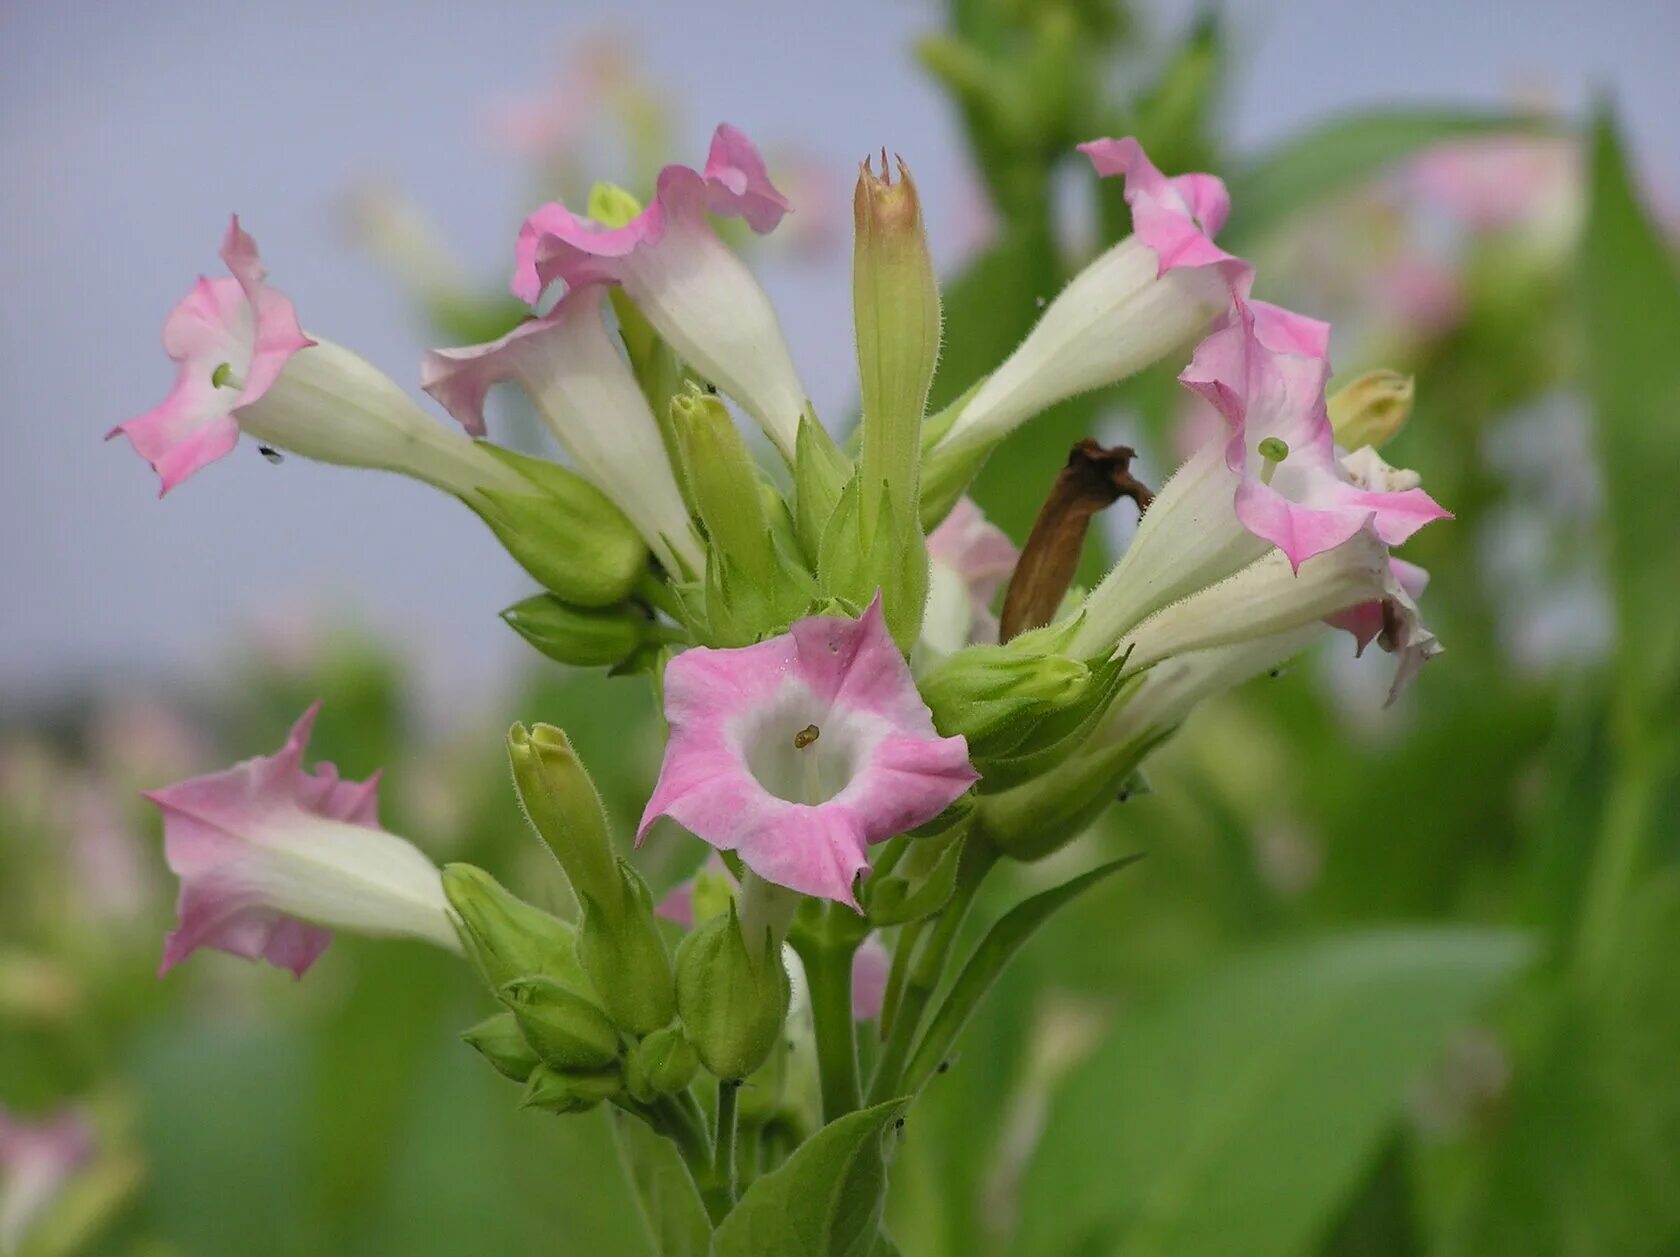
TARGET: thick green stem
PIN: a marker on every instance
(928, 967)
(828, 971)
(747, 1154)
(723, 1156)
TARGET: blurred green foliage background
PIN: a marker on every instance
(1388, 984)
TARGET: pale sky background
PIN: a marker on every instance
(128, 131)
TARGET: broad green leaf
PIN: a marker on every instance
(1001, 943)
(1249, 1103)
(1338, 156)
(825, 1201)
(671, 1206)
(1630, 318)
(1588, 1161)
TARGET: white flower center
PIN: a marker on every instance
(804, 750)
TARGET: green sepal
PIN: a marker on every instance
(992, 694)
(625, 958)
(820, 472)
(921, 880)
(569, 1091)
(566, 1030)
(506, 938)
(498, 1040)
(1052, 739)
(566, 533)
(580, 637)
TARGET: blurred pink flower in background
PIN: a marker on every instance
(1493, 183)
(38, 1157)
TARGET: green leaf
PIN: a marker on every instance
(670, 1202)
(1630, 318)
(1251, 1102)
(1585, 1163)
(1001, 943)
(824, 1201)
(1338, 156)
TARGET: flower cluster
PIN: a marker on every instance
(850, 726)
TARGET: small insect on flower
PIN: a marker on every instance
(271, 454)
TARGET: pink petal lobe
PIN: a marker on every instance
(1176, 217)
(556, 244)
(738, 183)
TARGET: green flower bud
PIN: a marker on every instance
(982, 691)
(1370, 409)
(723, 480)
(566, 811)
(732, 1001)
(1040, 817)
(663, 1063)
(498, 1041)
(581, 637)
(895, 309)
(569, 1091)
(626, 960)
(565, 1030)
(505, 937)
(565, 532)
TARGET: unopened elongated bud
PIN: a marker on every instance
(733, 996)
(565, 1030)
(570, 1091)
(566, 811)
(1370, 409)
(580, 637)
(723, 481)
(505, 937)
(895, 307)
(498, 1040)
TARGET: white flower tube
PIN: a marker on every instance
(583, 389)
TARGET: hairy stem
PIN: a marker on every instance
(723, 1156)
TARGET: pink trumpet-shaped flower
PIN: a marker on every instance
(230, 338)
(1265, 372)
(698, 294)
(1140, 300)
(37, 1159)
(871, 962)
(272, 857)
(245, 365)
(801, 751)
(971, 559)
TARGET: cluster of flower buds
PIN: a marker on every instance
(850, 725)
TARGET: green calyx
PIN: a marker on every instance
(732, 998)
